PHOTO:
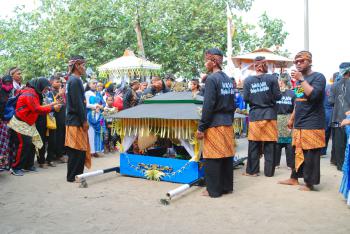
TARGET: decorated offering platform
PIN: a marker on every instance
(158, 138)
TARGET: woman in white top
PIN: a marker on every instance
(91, 106)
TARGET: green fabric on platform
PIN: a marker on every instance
(150, 101)
(286, 140)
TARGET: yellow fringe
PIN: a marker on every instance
(180, 129)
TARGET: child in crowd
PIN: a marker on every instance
(110, 138)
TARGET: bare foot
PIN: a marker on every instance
(205, 193)
(289, 182)
(306, 188)
(251, 175)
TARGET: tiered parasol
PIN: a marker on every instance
(128, 66)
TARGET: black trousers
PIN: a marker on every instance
(219, 176)
(53, 148)
(338, 147)
(310, 169)
(41, 127)
(24, 151)
(60, 139)
(254, 151)
(110, 140)
(289, 153)
(75, 165)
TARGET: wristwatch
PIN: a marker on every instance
(302, 80)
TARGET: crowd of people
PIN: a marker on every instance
(43, 116)
(62, 119)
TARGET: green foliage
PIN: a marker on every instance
(175, 33)
(272, 32)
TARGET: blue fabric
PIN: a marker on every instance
(100, 129)
(93, 100)
(239, 101)
(98, 124)
(99, 99)
(345, 183)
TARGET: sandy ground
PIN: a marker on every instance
(44, 203)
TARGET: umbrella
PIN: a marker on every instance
(129, 65)
(276, 60)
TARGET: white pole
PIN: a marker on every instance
(306, 25)
(230, 66)
(89, 174)
(178, 190)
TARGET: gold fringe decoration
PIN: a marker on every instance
(238, 125)
(164, 128)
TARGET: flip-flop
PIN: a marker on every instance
(305, 188)
(251, 175)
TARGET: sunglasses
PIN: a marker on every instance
(299, 61)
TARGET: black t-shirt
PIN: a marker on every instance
(261, 93)
(76, 104)
(286, 104)
(309, 110)
(219, 102)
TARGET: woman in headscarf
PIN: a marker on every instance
(285, 108)
(24, 133)
(93, 116)
(5, 92)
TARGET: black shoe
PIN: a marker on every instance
(31, 169)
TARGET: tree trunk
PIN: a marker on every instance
(139, 38)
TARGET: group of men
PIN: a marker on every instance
(262, 92)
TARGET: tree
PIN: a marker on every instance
(175, 33)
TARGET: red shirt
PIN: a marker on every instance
(28, 106)
(118, 103)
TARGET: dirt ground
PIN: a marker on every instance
(44, 203)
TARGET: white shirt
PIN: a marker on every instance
(16, 85)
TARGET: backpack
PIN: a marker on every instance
(10, 107)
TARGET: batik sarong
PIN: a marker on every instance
(4, 145)
(263, 130)
(218, 142)
(307, 139)
(284, 133)
(77, 138)
(27, 130)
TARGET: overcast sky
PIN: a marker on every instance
(329, 34)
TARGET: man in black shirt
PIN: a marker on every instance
(215, 127)
(308, 122)
(157, 87)
(261, 92)
(131, 98)
(76, 141)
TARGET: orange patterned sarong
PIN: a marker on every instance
(263, 130)
(77, 138)
(306, 139)
(218, 142)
